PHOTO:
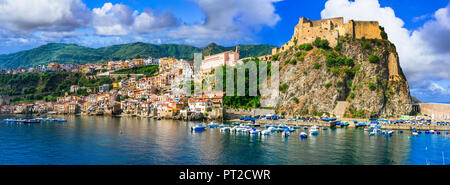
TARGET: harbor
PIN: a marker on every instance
(142, 141)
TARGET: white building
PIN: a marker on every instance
(228, 58)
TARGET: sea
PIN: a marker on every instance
(101, 140)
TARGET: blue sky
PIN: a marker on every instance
(420, 29)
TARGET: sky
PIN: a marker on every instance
(419, 29)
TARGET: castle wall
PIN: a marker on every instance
(367, 29)
(330, 29)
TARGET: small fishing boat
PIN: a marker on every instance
(389, 133)
(306, 128)
(286, 133)
(415, 134)
(8, 120)
(198, 128)
(254, 132)
(400, 131)
(314, 130)
(31, 121)
(222, 126)
(266, 132)
(324, 128)
(431, 131)
(297, 127)
(225, 129)
(303, 135)
(438, 132)
(213, 125)
(60, 120)
(372, 133)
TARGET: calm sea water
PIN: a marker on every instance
(135, 141)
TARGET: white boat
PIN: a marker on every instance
(272, 129)
(254, 132)
(213, 125)
(225, 129)
(372, 133)
(247, 130)
(286, 134)
(431, 131)
(415, 134)
(314, 130)
(303, 135)
(266, 132)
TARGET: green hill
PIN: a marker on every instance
(74, 54)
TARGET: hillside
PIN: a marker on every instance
(74, 54)
(46, 86)
(359, 78)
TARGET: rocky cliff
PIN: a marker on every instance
(357, 78)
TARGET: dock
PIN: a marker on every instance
(402, 126)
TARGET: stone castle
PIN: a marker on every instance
(330, 29)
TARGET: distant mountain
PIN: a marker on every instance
(75, 54)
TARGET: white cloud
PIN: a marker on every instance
(437, 89)
(119, 19)
(423, 52)
(112, 19)
(149, 21)
(231, 19)
(30, 15)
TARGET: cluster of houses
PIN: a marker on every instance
(84, 68)
(160, 96)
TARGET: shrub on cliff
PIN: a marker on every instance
(283, 88)
(373, 59)
(317, 65)
(306, 47)
(324, 44)
(352, 95)
(372, 86)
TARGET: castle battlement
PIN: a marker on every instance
(331, 29)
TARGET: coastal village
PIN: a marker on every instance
(161, 96)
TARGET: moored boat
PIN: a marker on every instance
(314, 130)
(198, 128)
(303, 135)
(225, 129)
(31, 121)
(213, 125)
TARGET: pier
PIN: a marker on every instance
(398, 126)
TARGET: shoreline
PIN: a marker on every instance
(403, 126)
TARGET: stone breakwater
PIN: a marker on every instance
(402, 126)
